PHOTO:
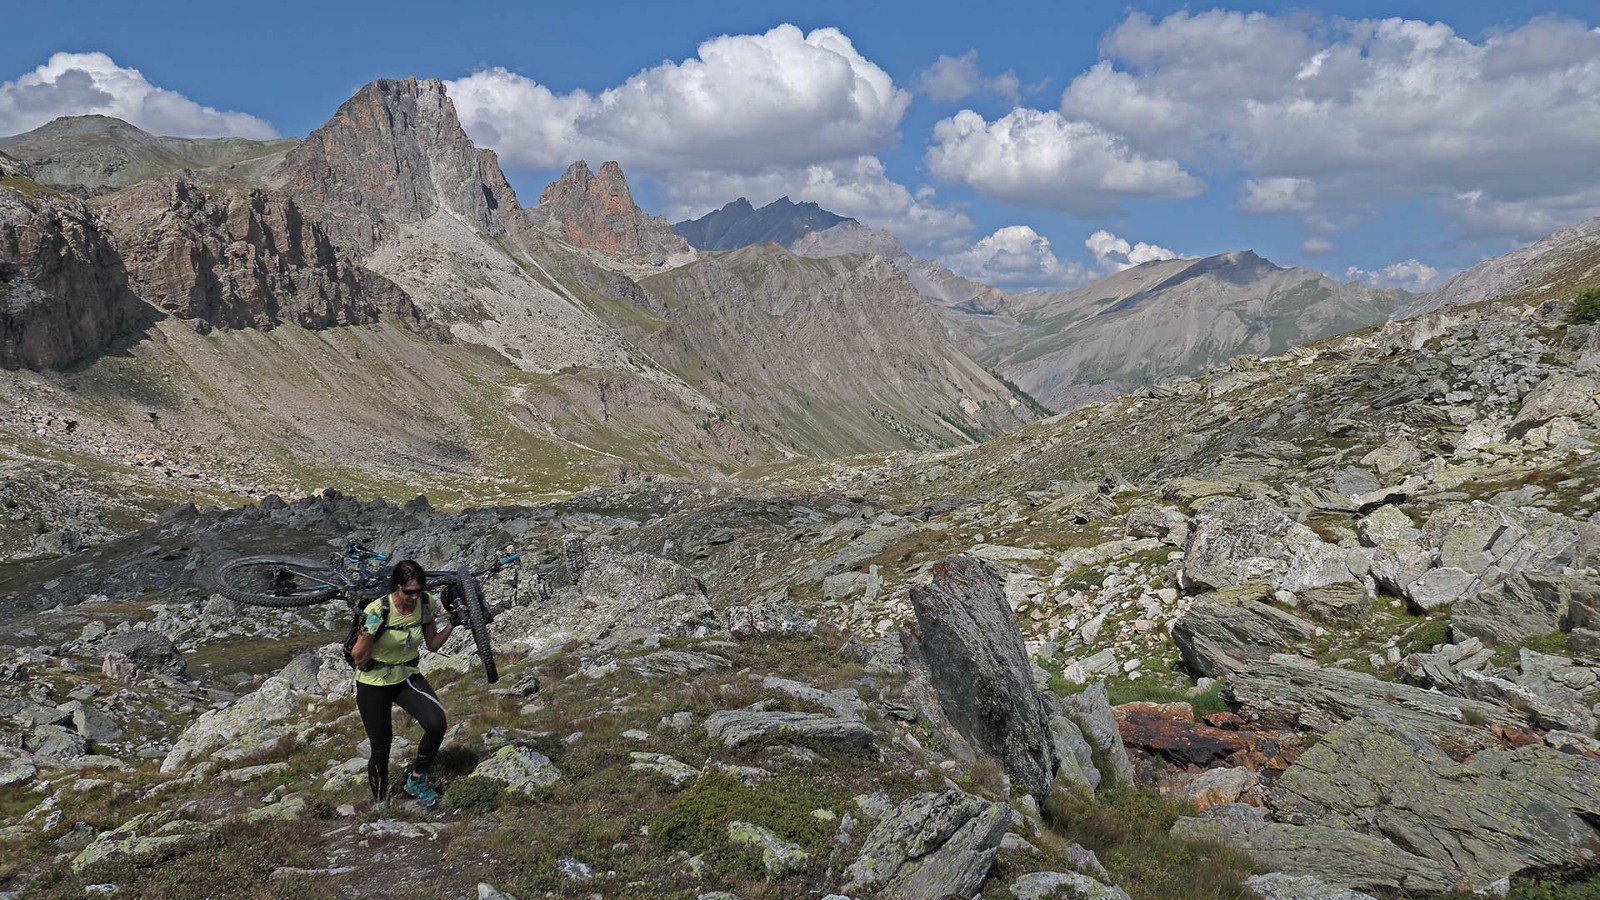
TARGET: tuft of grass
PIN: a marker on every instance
(696, 820)
(1129, 830)
(1119, 691)
(1425, 637)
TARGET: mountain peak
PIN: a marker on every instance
(393, 154)
(596, 211)
(738, 224)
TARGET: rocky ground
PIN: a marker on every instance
(1320, 625)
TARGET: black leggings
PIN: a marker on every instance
(415, 696)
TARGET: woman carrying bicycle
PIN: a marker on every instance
(386, 654)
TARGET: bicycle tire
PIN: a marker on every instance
(471, 593)
(239, 579)
(474, 593)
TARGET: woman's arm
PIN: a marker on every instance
(362, 651)
(433, 637)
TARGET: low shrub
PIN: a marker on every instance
(1586, 309)
(475, 794)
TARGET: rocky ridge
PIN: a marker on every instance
(595, 211)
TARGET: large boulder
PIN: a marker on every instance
(1236, 541)
(1338, 856)
(932, 845)
(1524, 606)
(150, 651)
(259, 719)
(967, 644)
(612, 594)
(1501, 813)
(1090, 710)
(1560, 395)
(1221, 632)
(1292, 693)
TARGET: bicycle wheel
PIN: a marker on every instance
(471, 594)
(278, 581)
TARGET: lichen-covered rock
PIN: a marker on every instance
(1236, 541)
(1524, 606)
(1217, 636)
(520, 769)
(1280, 886)
(1289, 692)
(1048, 885)
(738, 727)
(1561, 395)
(967, 639)
(1379, 777)
(1340, 857)
(778, 856)
(252, 723)
(932, 845)
(143, 835)
(1090, 710)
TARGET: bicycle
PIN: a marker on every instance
(359, 575)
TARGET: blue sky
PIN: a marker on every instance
(1050, 142)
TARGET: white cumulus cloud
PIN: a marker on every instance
(743, 103)
(1328, 116)
(75, 84)
(1043, 159)
(952, 78)
(1410, 274)
(1015, 257)
(1113, 254)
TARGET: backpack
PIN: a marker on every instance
(359, 619)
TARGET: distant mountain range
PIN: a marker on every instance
(1068, 348)
(739, 224)
(297, 313)
(374, 303)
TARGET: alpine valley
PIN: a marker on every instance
(845, 575)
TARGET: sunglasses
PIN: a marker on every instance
(411, 593)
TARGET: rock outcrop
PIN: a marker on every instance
(392, 155)
(933, 845)
(967, 642)
(595, 211)
(63, 291)
(1500, 813)
(236, 258)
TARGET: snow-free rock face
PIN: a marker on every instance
(979, 671)
(63, 292)
(595, 211)
(236, 258)
(395, 154)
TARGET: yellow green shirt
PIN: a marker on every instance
(396, 651)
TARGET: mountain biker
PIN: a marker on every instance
(386, 656)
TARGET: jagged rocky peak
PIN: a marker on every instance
(739, 224)
(595, 211)
(237, 257)
(395, 154)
